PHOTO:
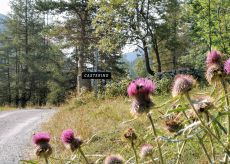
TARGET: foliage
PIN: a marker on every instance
(115, 89)
(139, 68)
(29, 59)
(163, 85)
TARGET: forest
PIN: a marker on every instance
(47, 44)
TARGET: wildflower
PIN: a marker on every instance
(141, 86)
(173, 124)
(146, 151)
(182, 84)
(140, 89)
(213, 72)
(41, 140)
(130, 134)
(70, 141)
(114, 159)
(227, 67)
(213, 57)
(201, 105)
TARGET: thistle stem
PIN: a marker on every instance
(204, 149)
(155, 134)
(83, 155)
(204, 126)
(228, 117)
(46, 160)
(201, 143)
(134, 150)
(180, 152)
(206, 115)
(154, 162)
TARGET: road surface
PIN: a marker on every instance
(16, 129)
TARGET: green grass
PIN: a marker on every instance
(101, 124)
(2, 108)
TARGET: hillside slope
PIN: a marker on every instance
(101, 124)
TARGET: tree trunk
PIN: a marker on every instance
(146, 54)
(155, 48)
(8, 79)
(79, 72)
(82, 84)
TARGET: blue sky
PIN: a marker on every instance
(4, 7)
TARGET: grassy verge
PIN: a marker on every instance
(2, 108)
(101, 124)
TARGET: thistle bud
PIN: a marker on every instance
(182, 84)
(130, 134)
(146, 151)
(114, 159)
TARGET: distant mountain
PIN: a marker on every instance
(2, 22)
(132, 56)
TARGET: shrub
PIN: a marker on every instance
(115, 89)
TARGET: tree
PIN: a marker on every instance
(78, 32)
(31, 59)
(209, 22)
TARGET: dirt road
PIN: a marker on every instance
(16, 129)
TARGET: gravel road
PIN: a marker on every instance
(16, 129)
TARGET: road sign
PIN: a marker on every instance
(96, 75)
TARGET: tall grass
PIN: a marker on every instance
(101, 124)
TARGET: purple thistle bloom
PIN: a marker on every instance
(213, 57)
(141, 86)
(67, 136)
(140, 89)
(182, 84)
(70, 141)
(227, 67)
(41, 137)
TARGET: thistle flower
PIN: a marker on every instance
(140, 90)
(70, 141)
(114, 159)
(41, 137)
(182, 84)
(141, 86)
(213, 57)
(173, 124)
(67, 136)
(227, 67)
(41, 140)
(146, 151)
(130, 134)
(213, 72)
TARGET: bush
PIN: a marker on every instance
(115, 89)
(163, 84)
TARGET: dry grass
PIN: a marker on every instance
(101, 124)
(7, 108)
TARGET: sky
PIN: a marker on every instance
(4, 7)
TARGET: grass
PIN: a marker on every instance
(101, 124)
(2, 108)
